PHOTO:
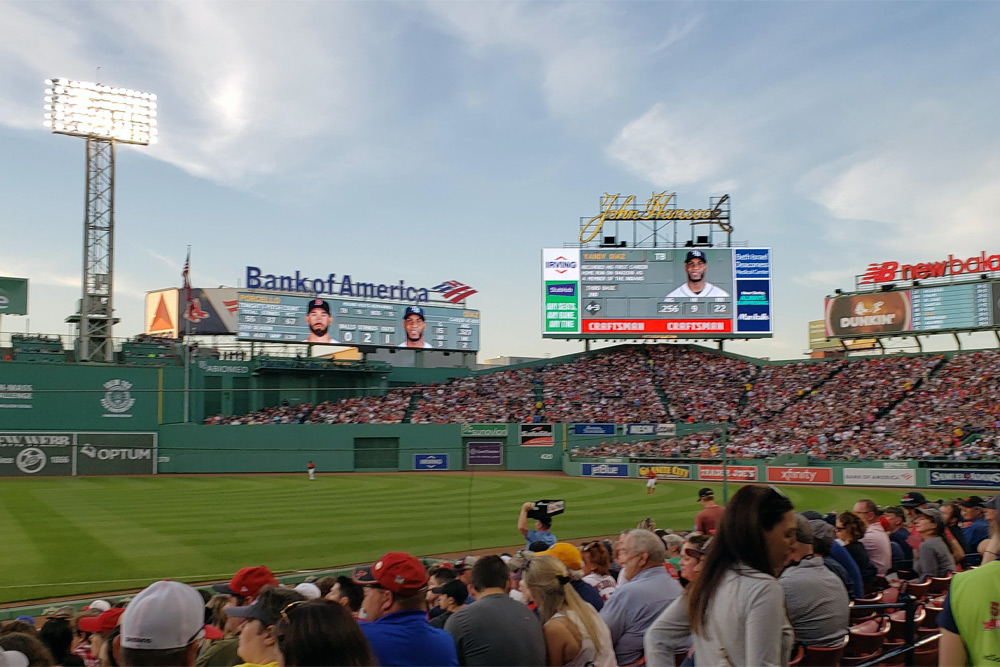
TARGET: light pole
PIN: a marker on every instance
(104, 116)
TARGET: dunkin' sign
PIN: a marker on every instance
(733, 473)
(794, 475)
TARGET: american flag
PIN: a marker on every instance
(454, 291)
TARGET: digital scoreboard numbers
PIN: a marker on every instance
(282, 319)
(656, 292)
(968, 306)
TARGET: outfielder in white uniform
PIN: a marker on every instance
(696, 265)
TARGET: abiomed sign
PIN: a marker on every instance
(38, 454)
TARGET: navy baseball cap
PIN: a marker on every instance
(695, 254)
(414, 310)
(318, 303)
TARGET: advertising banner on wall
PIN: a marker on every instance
(484, 430)
(733, 473)
(484, 453)
(879, 477)
(796, 475)
(430, 461)
(536, 435)
(13, 296)
(964, 477)
(36, 454)
(604, 470)
(594, 429)
(662, 430)
(115, 453)
(665, 471)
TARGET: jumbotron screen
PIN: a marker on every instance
(957, 307)
(279, 318)
(656, 293)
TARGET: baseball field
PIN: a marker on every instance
(71, 536)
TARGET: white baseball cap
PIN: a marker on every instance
(166, 615)
(99, 605)
(309, 590)
(13, 659)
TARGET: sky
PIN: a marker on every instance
(432, 141)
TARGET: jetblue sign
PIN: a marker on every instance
(258, 280)
(593, 429)
(604, 470)
(964, 477)
(430, 461)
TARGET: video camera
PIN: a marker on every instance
(544, 510)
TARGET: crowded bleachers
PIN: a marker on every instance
(863, 408)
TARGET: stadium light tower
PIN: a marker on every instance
(104, 116)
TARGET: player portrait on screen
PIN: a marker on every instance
(414, 326)
(318, 319)
(696, 266)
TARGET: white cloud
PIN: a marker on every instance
(672, 148)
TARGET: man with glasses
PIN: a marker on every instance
(257, 645)
(648, 591)
(875, 540)
(395, 586)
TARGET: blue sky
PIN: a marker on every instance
(454, 140)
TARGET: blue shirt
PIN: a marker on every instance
(540, 536)
(974, 533)
(839, 554)
(406, 638)
(633, 608)
(588, 593)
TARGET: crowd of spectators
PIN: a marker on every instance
(764, 577)
(865, 408)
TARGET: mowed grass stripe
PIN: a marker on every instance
(142, 529)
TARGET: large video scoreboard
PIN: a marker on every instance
(656, 293)
(280, 318)
(973, 305)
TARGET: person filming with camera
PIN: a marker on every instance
(543, 524)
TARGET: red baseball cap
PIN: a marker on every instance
(248, 582)
(104, 623)
(396, 571)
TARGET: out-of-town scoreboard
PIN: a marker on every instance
(677, 292)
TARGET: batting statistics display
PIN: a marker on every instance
(919, 310)
(284, 319)
(656, 292)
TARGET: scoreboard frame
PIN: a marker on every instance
(636, 293)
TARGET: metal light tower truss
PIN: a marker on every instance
(104, 116)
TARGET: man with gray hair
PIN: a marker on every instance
(647, 592)
(816, 599)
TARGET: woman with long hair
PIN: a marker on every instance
(934, 558)
(734, 610)
(596, 568)
(317, 633)
(574, 633)
(850, 529)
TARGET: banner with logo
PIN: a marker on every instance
(594, 429)
(36, 454)
(796, 475)
(713, 473)
(536, 435)
(39, 454)
(876, 313)
(964, 477)
(484, 430)
(604, 470)
(13, 296)
(662, 430)
(430, 461)
(484, 454)
(115, 454)
(665, 471)
(879, 477)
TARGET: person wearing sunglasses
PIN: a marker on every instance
(734, 611)
(318, 633)
(258, 645)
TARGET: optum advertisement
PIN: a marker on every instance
(37, 454)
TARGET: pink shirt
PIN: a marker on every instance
(876, 543)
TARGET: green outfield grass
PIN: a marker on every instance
(88, 535)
